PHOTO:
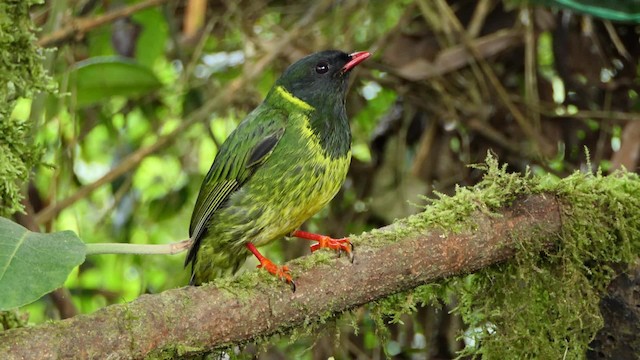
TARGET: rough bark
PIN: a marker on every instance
(195, 319)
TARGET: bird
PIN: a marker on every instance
(283, 163)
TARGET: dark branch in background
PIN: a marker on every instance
(542, 147)
(80, 26)
(199, 319)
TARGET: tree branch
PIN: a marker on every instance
(198, 319)
(79, 26)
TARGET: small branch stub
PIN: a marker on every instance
(139, 249)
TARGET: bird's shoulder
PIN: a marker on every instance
(241, 154)
(265, 123)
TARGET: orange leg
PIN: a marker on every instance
(281, 272)
(325, 242)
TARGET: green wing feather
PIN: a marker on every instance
(248, 146)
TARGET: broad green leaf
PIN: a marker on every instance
(99, 78)
(34, 264)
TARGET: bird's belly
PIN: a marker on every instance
(299, 194)
(281, 196)
(305, 197)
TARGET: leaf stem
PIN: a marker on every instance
(117, 248)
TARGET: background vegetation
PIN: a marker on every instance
(145, 98)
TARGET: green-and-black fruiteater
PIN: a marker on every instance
(284, 162)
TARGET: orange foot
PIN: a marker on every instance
(325, 242)
(282, 272)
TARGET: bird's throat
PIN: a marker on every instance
(332, 131)
(328, 123)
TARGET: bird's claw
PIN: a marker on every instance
(282, 272)
(340, 245)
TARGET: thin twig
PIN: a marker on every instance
(491, 133)
(539, 143)
(480, 13)
(615, 39)
(561, 111)
(79, 26)
(140, 249)
(197, 52)
(530, 65)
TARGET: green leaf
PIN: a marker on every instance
(620, 10)
(99, 78)
(33, 264)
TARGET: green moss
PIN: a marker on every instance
(23, 75)
(452, 213)
(322, 257)
(242, 287)
(544, 302)
(130, 321)
(13, 319)
(187, 352)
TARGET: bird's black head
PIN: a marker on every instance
(320, 79)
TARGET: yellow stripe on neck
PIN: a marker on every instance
(294, 100)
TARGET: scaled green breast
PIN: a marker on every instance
(298, 179)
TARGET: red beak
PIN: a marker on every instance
(356, 58)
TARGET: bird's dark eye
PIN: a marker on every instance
(322, 67)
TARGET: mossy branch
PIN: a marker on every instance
(199, 319)
(540, 250)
